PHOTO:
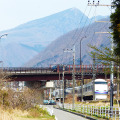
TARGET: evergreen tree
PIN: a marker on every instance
(115, 26)
(104, 55)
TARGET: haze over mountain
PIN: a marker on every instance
(27, 40)
(54, 54)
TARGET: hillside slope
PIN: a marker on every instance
(28, 39)
(54, 54)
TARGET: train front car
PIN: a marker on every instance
(101, 89)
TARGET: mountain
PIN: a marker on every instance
(27, 40)
(54, 54)
(98, 18)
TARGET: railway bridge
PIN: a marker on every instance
(49, 73)
(40, 75)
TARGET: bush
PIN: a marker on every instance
(17, 99)
(37, 112)
(21, 100)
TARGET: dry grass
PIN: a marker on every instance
(15, 114)
(22, 101)
(69, 98)
(4, 115)
(12, 114)
(93, 103)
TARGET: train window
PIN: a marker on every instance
(91, 87)
(56, 93)
(86, 89)
(100, 82)
(80, 90)
(75, 91)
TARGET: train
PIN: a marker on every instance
(100, 90)
(56, 68)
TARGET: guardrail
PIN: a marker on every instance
(98, 111)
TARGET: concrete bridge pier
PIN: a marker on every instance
(37, 90)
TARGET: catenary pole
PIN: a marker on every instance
(73, 74)
(112, 63)
(63, 87)
(73, 107)
(82, 80)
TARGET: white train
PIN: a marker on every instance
(101, 90)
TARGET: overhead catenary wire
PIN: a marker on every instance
(68, 45)
(90, 22)
(88, 26)
(75, 33)
(95, 7)
(103, 27)
(79, 24)
(85, 23)
(82, 27)
(92, 38)
(77, 29)
(94, 32)
(87, 29)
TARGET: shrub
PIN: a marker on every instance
(37, 112)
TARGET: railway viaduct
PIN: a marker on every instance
(40, 76)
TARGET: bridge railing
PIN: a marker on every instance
(58, 68)
(82, 68)
(25, 70)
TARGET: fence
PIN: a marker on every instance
(98, 111)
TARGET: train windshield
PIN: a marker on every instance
(100, 82)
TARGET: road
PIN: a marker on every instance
(62, 115)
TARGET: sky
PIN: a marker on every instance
(16, 12)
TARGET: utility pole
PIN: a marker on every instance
(82, 84)
(111, 82)
(73, 107)
(94, 77)
(82, 80)
(112, 64)
(50, 94)
(118, 72)
(60, 87)
(80, 49)
(73, 74)
(63, 86)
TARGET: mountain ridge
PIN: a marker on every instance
(28, 39)
(53, 54)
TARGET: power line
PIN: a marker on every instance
(88, 25)
(82, 27)
(74, 35)
(79, 24)
(77, 29)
